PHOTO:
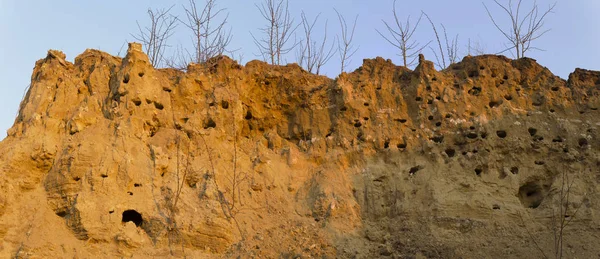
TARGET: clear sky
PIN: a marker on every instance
(29, 28)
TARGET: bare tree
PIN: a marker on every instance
(210, 36)
(564, 210)
(278, 31)
(155, 37)
(475, 48)
(313, 54)
(451, 46)
(524, 29)
(400, 37)
(561, 214)
(344, 43)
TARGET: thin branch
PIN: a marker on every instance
(400, 36)
(344, 42)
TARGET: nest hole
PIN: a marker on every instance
(582, 142)
(248, 115)
(437, 139)
(472, 135)
(137, 102)
(224, 104)
(475, 91)
(210, 123)
(494, 104)
(126, 79)
(501, 133)
(532, 131)
(413, 170)
(478, 171)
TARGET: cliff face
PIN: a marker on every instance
(111, 157)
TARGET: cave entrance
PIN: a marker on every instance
(133, 216)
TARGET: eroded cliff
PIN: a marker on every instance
(111, 157)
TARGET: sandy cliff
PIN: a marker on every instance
(110, 157)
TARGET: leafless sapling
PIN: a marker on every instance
(155, 36)
(524, 29)
(277, 34)
(475, 48)
(210, 36)
(400, 36)
(451, 46)
(313, 54)
(344, 42)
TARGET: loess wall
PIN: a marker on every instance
(111, 157)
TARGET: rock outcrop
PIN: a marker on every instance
(111, 157)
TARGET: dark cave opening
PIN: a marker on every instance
(133, 216)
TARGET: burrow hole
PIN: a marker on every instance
(478, 171)
(141, 74)
(126, 79)
(450, 152)
(210, 123)
(248, 115)
(475, 91)
(531, 194)
(501, 133)
(224, 104)
(532, 131)
(437, 139)
(494, 104)
(132, 216)
(582, 142)
(413, 170)
(137, 102)
(472, 135)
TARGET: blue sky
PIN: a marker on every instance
(29, 28)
